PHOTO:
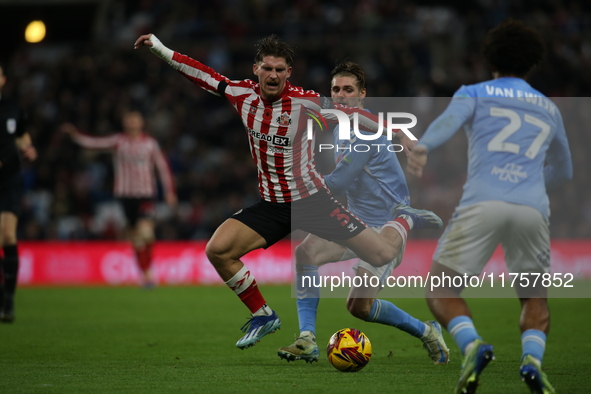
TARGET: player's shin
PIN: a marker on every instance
(385, 312)
(308, 296)
(10, 266)
(10, 269)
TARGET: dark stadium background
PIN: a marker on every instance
(86, 72)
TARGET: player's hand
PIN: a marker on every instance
(171, 199)
(29, 153)
(417, 160)
(406, 142)
(68, 128)
(143, 41)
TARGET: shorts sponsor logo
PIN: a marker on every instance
(344, 219)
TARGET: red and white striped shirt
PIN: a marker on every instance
(134, 159)
(277, 131)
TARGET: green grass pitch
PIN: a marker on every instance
(181, 340)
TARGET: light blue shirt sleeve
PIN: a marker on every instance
(346, 171)
(559, 166)
(450, 121)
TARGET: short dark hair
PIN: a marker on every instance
(349, 69)
(273, 46)
(513, 48)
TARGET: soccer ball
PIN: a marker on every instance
(349, 350)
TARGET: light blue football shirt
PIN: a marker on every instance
(512, 130)
(372, 179)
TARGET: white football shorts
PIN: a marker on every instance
(474, 232)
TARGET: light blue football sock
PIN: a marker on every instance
(308, 296)
(533, 342)
(463, 331)
(387, 313)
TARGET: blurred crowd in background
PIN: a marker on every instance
(408, 48)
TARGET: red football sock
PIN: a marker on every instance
(401, 225)
(245, 286)
(144, 257)
(404, 223)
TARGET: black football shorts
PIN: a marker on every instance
(319, 214)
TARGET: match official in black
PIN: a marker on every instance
(13, 139)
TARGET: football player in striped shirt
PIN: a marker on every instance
(274, 114)
(135, 155)
(513, 130)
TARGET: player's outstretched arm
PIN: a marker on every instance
(88, 141)
(195, 71)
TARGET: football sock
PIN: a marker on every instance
(533, 342)
(406, 221)
(400, 225)
(463, 332)
(263, 311)
(10, 270)
(1, 278)
(144, 256)
(245, 287)
(308, 296)
(387, 313)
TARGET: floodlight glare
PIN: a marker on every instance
(35, 31)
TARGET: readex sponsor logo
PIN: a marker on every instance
(273, 139)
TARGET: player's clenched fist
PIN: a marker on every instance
(144, 40)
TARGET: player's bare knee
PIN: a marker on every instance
(305, 254)
(7, 237)
(216, 252)
(144, 232)
(301, 254)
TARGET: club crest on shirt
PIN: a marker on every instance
(283, 119)
(11, 125)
